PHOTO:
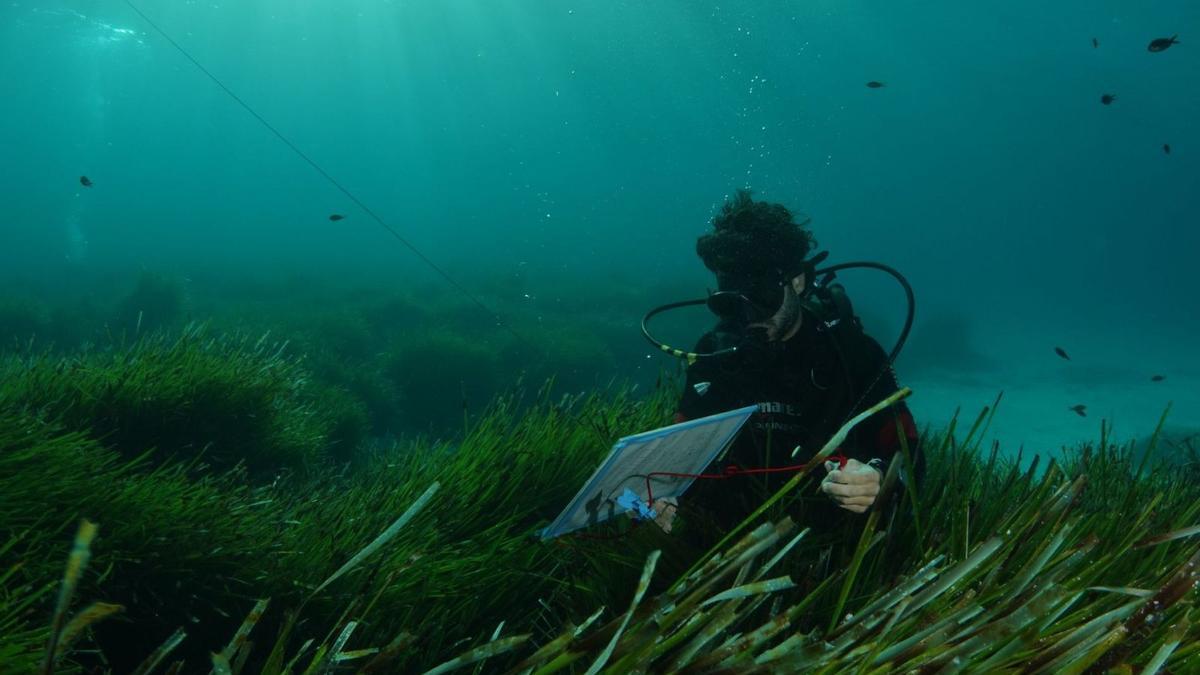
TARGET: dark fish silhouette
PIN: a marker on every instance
(336, 217)
(1167, 148)
(1062, 352)
(85, 181)
(1158, 378)
(1080, 410)
(876, 85)
(1161, 44)
(1095, 43)
(1107, 99)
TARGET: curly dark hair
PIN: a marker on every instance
(755, 238)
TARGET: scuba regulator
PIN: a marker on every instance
(746, 299)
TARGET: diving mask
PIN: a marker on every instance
(747, 299)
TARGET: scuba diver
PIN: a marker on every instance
(787, 340)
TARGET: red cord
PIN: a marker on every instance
(840, 457)
(729, 472)
(734, 470)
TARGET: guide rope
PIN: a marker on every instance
(325, 174)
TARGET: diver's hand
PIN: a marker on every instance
(854, 487)
(665, 508)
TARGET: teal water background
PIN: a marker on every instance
(593, 141)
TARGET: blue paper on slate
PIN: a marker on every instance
(687, 448)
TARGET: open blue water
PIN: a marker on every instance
(593, 140)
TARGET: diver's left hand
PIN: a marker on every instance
(666, 509)
(854, 487)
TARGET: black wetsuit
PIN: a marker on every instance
(806, 388)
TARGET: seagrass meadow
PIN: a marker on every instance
(314, 316)
(180, 502)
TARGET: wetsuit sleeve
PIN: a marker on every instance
(879, 436)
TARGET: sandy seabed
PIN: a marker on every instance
(1110, 373)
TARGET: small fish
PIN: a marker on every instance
(1107, 99)
(1158, 378)
(876, 85)
(1161, 44)
(1095, 43)
(1167, 148)
(85, 181)
(1079, 409)
(336, 217)
(1062, 352)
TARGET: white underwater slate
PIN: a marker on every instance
(687, 448)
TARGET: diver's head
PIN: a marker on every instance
(757, 252)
